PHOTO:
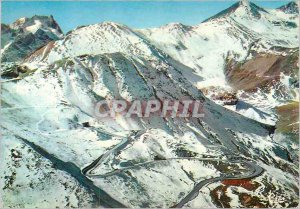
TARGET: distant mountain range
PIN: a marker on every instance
(242, 64)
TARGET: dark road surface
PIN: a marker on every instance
(105, 200)
(254, 170)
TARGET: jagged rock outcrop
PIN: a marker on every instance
(290, 8)
(26, 35)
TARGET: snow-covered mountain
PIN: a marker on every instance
(240, 33)
(224, 159)
(60, 107)
(238, 29)
(25, 35)
(106, 37)
(244, 30)
(95, 39)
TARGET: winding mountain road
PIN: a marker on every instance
(254, 169)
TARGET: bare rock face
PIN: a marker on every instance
(25, 35)
(227, 98)
(287, 127)
(290, 8)
(262, 71)
(13, 71)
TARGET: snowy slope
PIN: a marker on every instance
(56, 101)
(48, 106)
(240, 33)
(106, 37)
(242, 27)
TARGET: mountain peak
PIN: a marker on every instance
(27, 34)
(290, 8)
(36, 22)
(108, 26)
(176, 27)
(246, 6)
(244, 3)
(114, 26)
(19, 22)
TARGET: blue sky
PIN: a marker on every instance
(144, 14)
